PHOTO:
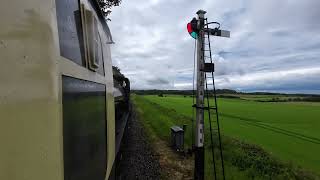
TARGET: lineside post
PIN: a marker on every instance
(199, 134)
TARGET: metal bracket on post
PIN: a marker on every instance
(208, 67)
(218, 32)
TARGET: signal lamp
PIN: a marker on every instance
(192, 28)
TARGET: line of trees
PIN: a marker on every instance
(180, 92)
(229, 93)
(295, 99)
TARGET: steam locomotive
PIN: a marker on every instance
(63, 108)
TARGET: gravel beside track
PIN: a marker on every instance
(138, 160)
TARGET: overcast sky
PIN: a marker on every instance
(274, 44)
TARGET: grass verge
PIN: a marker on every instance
(242, 160)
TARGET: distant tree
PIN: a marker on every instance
(226, 91)
(116, 73)
(298, 99)
(106, 5)
(115, 68)
(160, 95)
(119, 78)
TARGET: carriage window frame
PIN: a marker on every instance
(92, 39)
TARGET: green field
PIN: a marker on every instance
(289, 132)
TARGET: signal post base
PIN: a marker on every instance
(199, 163)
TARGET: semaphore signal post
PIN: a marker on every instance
(199, 134)
(198, 28)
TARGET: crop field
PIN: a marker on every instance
(286, 134)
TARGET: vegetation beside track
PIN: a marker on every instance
(242, 160)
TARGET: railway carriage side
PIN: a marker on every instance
(57, 106)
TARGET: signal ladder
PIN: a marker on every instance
(213, 122)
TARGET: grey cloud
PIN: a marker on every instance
(280, 33)
(289, 81)
(154, 50)
(158, 81)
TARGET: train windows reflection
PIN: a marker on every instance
(84, 129)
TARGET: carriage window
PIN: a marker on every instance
(84, 129)
(93, 47)
(92, 40)
(70, 31)
(79, 38)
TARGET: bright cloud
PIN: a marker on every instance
(274, 45)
